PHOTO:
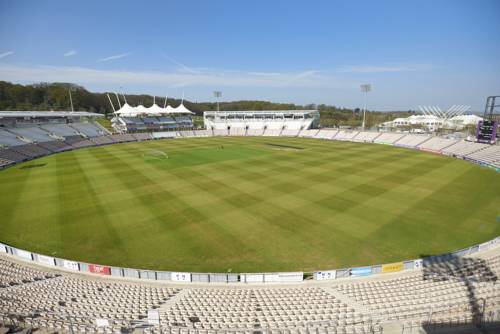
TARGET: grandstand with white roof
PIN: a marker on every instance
(155, 118)
(273, 123)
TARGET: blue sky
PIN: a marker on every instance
(412, 52)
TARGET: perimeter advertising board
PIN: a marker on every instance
(24, 254)
(392, 267)
(97, 269)
(361, 271)
(71, 265)
(181, 277)
(324, 275)
(46, 260)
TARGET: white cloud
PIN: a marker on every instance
(5, 54)
(70, 53)
(381, 69)
(114, 57)
(207, 78)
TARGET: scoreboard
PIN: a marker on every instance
(486, 132)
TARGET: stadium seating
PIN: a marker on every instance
(61, 130)
(290, 132)
(31, 150)
(326, 134)
(366, 136)
(102, 140)
(463, 148)
(345, 135)
(9, 139)
(12, 155)
(444, 292)
(34, 133)
(489, 155)
(411, 140)
(5, 162)
(309, 133)
(388, 138)
(436, 144)
(88, 129)
(254, 132)
(55, 146)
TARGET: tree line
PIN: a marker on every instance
(55, 96)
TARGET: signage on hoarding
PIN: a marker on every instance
(46, 260)
(181, 277)
(361, 271)
(392, 267)
(97, 269)
(71, 265)
(324, 275)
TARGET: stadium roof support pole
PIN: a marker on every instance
(71, 99)
(110, 102)
(365, 88)
(165, 103)
(118, 98)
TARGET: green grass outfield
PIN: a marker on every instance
(247, 204)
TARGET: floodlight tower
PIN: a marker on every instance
(365, 88)
(217, 95)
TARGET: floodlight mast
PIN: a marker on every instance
(217, 95)
(365, 88)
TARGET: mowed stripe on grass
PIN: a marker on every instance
(247, 204)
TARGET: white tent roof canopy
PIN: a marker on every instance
(181, 109)
(155, 110)
(126, 110)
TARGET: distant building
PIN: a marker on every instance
(431, 122)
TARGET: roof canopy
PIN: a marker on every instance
(155, 110)
(181, 109)
(127, 110)
(34, 114)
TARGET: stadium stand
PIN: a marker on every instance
(309, 133)
(290, 132)
(102, 140)
(489, 155)
(326, 134)
(5, 162)
(345, 135)
(445, 292)
(436, 144)
(9, 139)
(35, 134)
(463, 148)
(411, 140)
(254, 132)
(61, 130)
(388, 138)
(89, 129)
(365, 136)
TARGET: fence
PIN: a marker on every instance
(277, 277)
